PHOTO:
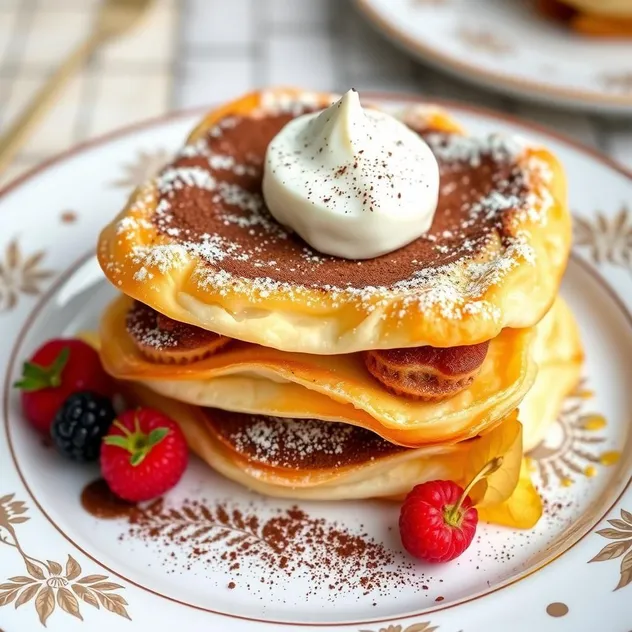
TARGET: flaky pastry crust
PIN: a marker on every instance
(559, 354)
(391, 475)
(509, 278)
(253, 379)
(387, 476)
(422, 373)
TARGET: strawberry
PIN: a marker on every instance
(143, 455)
(437, 521)
(57, 370)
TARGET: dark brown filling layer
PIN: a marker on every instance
(211, 195)
(153, 330)
(418, 366)
(449, 361)
(297, 444)
(416, 383)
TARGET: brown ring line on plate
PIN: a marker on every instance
(625, 465)
(449, 63)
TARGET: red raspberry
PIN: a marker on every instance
(143, 455)
(433, 525)
(437, 521)
(57, 370)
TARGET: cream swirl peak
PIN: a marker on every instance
(352, 182)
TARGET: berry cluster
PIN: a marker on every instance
(66, 394)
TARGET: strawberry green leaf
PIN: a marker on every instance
(156, 436)
(33, 371)
(36, 377)
(60, 361)
(117, 440)
(137, 443)
(138, 457)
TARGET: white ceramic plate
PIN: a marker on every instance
(506, 46)
(177, 565)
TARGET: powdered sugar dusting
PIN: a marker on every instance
(522, 192)
(298, 444)
(277, 102)
(455, 289)
(162, 257)
(472, 149)
(302, 437)
(149, 336)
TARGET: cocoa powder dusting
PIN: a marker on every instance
(228, 205)
(296, 444)
(209, 209)
(154, 330)
(275, 549)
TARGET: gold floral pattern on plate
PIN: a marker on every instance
(618, 82)
(49, 584)
(608, 237)
(557, 609)
(145, 167)
(483, 40)
(569, 448)
(20, 275)
(415, 627)
(621, 533)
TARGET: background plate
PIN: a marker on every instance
(508, 47)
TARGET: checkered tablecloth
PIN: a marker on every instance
(196, 52)
(129, 80)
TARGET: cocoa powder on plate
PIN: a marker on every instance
(274, 548)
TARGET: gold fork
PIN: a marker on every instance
(114, 18)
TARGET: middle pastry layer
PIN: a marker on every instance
(248, 378)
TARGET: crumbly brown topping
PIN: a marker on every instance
(449, 361)
(210, 206)
(298, 444)
(153, 330)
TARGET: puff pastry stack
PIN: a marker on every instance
(309, 376)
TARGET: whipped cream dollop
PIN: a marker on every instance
(352, 182)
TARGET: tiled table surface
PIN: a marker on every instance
(195, 52)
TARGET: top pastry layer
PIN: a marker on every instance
(198, 244)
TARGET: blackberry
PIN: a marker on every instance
(80, 424)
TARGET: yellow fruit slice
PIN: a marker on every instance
(521, 510)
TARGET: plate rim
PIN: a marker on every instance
(384, 96)
(494, 80)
